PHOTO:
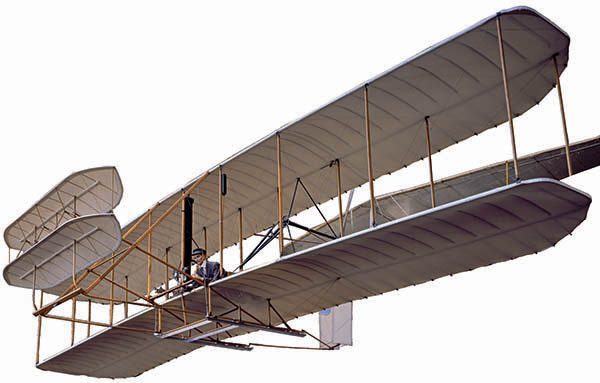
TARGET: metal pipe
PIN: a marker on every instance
(507, 96)
(562, 114)
(369, 160)
(431, 184)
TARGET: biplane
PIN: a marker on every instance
(166, 267)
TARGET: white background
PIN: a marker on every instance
(164, 90)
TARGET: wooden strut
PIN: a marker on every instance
(241, 241)
(112, 295)
(339, 192)
(89, 325)
(369, 156)
(431, 183)
(100, 324)
(279, 194)
(74, 307)
(126, 304)
(167, 269)
(155, 305)
(39, 331)
(507, 96)
(180, 271)
(562, 114)
(220, 220)
(74, 299)
(150, 259)
(148, 231)
(181, 252)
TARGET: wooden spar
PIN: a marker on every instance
(149, 259)
(241, 241)
(220, 220)
(39, 330)
(339, 191)
(369, 157)
(73, 308)
(507, 96)
(89, 324)
(562, 114)
(148, 231)
(126, 305)
(279, 194)
(431, 184)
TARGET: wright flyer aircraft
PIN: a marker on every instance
(165, 271)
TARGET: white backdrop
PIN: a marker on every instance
(149, 87)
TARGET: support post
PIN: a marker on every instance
(167, 269)
(112, 294)
(89, 324)
(73, 308)
(369, 156)
(74, 304)
(431, 184)
(279, 194)
(339, 192)
(507, 96)
(182, 238)
(220, 220)
(149, 259)
(562, 114)
(241, 241)
(39, 330)
(126, 305)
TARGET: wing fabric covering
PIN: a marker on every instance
(96, 235)
(481, 230)
(90, 191)
(457, 83)
(547, 164)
